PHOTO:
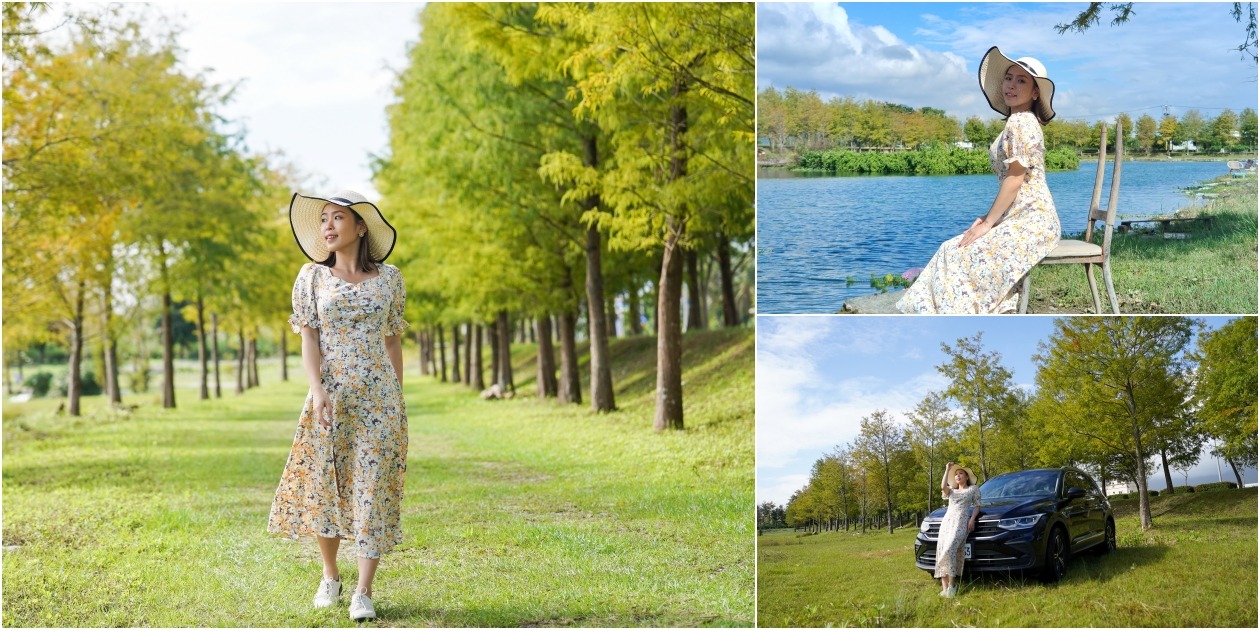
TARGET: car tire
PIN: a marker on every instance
(1057, 554)
(1108, 544)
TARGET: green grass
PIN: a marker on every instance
(1211, 271)
(517, 513)
(1196, 568)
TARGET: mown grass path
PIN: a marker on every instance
(1197, 568)
(517, 513)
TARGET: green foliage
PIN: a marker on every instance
(1062, 159)
(88, 386)
(928, 161)
(1216, 486)
(39, 383)
(1225, 388)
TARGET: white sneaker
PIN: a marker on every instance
(361, 607)
(328, 594)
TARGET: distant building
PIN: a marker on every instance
(1188, 145)
(964, 145)
(1119, 487)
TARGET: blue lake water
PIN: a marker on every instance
(814, 232)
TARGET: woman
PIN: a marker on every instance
(344, 476)
(959, 487)
(977, 271)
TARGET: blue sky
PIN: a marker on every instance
(817, 376)
(927, 54)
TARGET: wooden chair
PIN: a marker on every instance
(1236, 168)
(1086, 252)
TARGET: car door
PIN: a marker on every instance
(1082, 512)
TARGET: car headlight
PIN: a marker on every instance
(926, 525)
(1022, 522)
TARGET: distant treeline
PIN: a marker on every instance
(931, 160)
(800, 121)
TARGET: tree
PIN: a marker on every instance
(1113, 380)
(1124, 11)
(1221, 131)
(1146, 129)
(1225, 390)
(881, 444)
(1247, 128)
(1169, 131)
(978, 382)
(930, 431)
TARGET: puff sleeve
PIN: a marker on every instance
(305, 311)
(394, 322)
(1023, 142)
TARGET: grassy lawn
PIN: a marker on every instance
(1212, 270)
(517, 513)
(1196, 568)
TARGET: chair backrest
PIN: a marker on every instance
(1095, 213)
(1233, 165)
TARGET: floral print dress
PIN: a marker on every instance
(347, 481)
(982, 277)
(950, 541)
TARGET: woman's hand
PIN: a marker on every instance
(322, 407)
(971, 526)
(978, 228)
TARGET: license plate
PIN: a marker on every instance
(967, 551)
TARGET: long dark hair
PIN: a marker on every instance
(365, 256)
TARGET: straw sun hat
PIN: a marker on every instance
(304, 213)
(993, 70)
(949, 474)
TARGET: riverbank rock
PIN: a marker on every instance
(877, 304)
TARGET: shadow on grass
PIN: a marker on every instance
(419, 614)
(1085, 566)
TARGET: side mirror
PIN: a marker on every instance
(1075, 493)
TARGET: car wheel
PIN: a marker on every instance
(1056, 557)
(1109, 540)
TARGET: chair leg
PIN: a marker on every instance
(1093, 287)
(1111, 290)
(1025, 284)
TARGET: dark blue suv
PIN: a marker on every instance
(1032, 519)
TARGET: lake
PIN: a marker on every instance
(815, 231)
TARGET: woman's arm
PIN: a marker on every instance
(975, 513)
(1007, 191)
(311, 360)
(393, 346)
(945, 480)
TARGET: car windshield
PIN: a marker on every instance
(1022, 484)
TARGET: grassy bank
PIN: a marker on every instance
(1211, 270)
(517, 513)
(1196, 568)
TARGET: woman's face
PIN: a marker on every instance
(961, 478)
(339, 228)
(1019, 88)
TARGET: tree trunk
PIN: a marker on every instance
(74, 389)
(168, 348)
(203, 351)
(602, 398)
(669, 394)
(455, 354)
(635, 315)
(424, 367)
(1168, 480)
(546, 357)
(1234, 467)
(730, 314)
(240, 360)
(610, 310)
(1144, 500)
(113, 391)
(468, 351)
(570, 380)
(214, 349)
(441, 351)
(495, 346)
(478, 380)
(253, 359)
(284, 356)
(505, 354)
(695, 304)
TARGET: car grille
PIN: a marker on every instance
(984, 529)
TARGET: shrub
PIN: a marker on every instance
(1153, 493)
(87, 385)
(39, 383)
(1062, 159)
(1212, 487)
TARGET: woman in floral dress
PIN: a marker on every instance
(959, 487)
(977, 271)
(344, 476)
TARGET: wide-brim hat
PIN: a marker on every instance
(993, 70)
(304, 213)
(949, 474)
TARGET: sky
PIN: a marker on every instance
(927, 55)
(315, 78)
(818, 376)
